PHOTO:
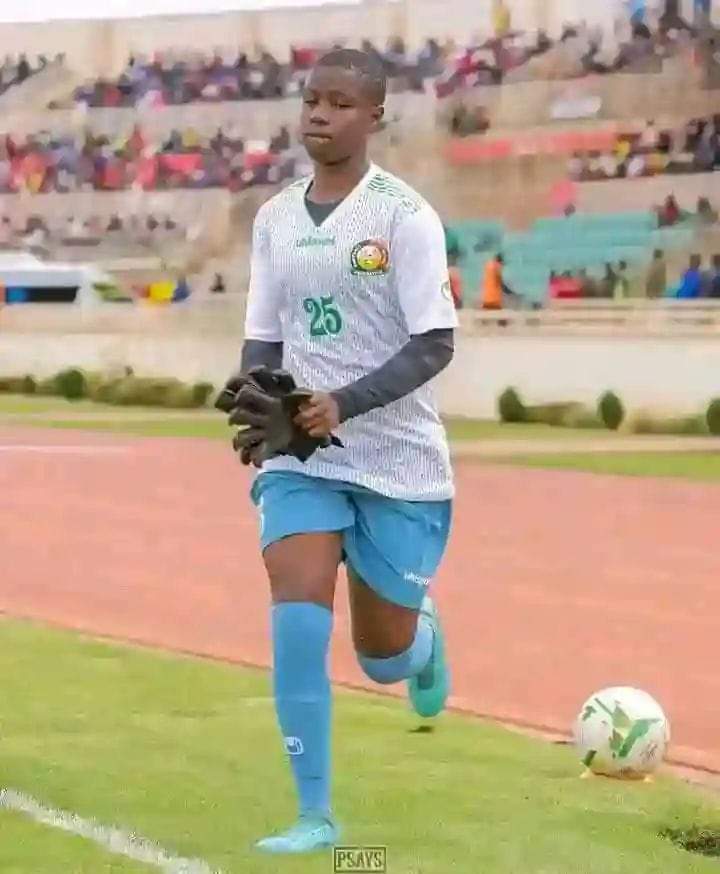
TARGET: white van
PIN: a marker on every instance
(24, 278)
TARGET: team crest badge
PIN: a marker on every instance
(371, 258)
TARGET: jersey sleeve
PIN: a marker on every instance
(262, 316)
(419, 261)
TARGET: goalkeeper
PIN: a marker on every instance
(349, 292)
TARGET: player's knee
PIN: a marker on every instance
(378, 657)
(382, 643)
(308, 585)
(380, 628)
(375, 670)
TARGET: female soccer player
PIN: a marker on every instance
(349, 292)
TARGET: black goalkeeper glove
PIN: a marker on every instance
(264, 404)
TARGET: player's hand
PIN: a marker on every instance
(319, 416)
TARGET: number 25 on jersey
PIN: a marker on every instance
(325, 318)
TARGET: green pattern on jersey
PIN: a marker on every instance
(383, 184)
(303, 182)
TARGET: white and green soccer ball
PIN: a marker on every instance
(622, 732)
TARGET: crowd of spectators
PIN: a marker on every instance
(174, 78)
(616, 283)
(691, 148)
(486, 62)
(621, 282)
(698, 281)
(637, 45)
(670, 213)
(43, 162)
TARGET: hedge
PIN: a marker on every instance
(712, 417)
(611, 411)
(582, 417)
(556, 414)
(510, 407)
(128, 389)
(671, 426)
(18, 385)
(565, 414)
(71, 384)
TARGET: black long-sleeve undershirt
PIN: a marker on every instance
(423, 357)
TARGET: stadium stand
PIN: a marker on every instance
(175, 77)
(204, 122)
(44, 162)
(558, 245)
(691, 146)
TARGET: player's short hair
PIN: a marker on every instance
(367, 67)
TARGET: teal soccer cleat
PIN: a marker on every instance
(309, 834)
(429, 690)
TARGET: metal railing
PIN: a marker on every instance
(219, 316)
(223, 315)
(679, 318)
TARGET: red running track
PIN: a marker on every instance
(556, 584)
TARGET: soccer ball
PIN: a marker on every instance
(622, 732)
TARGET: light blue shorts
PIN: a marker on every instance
(394, 546)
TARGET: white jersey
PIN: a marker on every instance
(343, 298)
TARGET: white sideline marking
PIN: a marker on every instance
(66, 450)
(113, 839)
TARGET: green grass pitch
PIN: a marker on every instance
(185, 753)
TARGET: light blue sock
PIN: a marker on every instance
(405, 665)
(301, 639)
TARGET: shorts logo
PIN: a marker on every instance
(417, 579)
(370, 258)
(294, 746)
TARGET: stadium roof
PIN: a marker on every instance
(51, 10)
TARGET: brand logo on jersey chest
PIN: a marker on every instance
(370, 258)
(307, 242)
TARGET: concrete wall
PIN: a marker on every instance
(257, 119)
(623, 194)
(668, 98)
(188, 358)
(54, 82)
(207, 212)
(193, 344)
(676, 93)
(663, 372)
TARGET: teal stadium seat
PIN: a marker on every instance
(479, 240)
(578, 242)
(587, 221)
